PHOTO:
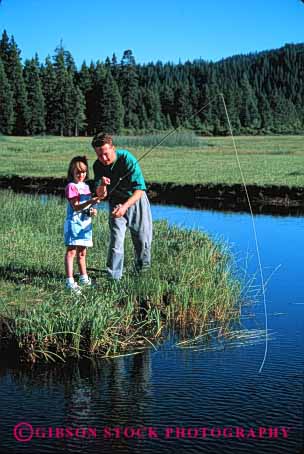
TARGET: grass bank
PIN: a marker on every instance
(191, 284)
(265, 160)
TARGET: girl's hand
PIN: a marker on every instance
(95, 200)
(93, 212)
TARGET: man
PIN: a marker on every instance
(128, 204)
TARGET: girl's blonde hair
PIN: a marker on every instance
(79, 163)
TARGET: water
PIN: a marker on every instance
(175, 392)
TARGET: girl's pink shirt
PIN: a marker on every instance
(75, 189)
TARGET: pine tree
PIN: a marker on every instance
(168, 123)
(5, 49)
(67, 98)
(112, 105)
(232, 103)
(75, 118)
(85, 83)
(210, 100)
(182, 107)
(266, 114)
(249, 114)
(92, 98)
(6, 103)
(84, 79)
(144, 123)
(70, 122)
(152, 105)
(129, 89)
(70, 63)
(35, 98)
(167, 104)
(194, 100)
(49, 86)
(284, 114)
(114, 68)
(107, 63)
(15, 76)
(62, 91)
(80, 119)
(107, 103)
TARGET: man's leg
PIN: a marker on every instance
(116, 247)
(140, 224)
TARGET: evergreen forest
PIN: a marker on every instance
(264, 94)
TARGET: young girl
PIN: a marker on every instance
(78, 223)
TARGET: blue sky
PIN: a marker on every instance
(166, 30)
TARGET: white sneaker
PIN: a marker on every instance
(85, 282)
(74, 287)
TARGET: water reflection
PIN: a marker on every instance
(163, 389)
(81, 395)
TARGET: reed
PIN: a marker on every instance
(176, 139)
(190, 284)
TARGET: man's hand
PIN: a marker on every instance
(105, 181)
(93, 211)
(119, 211)
(101, 190)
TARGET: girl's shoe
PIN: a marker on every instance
(74, 287)
(85, 282)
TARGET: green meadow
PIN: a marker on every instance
(184, 159)
(191, 286)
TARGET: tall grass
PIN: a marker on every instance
(176, 139)
(191, 283)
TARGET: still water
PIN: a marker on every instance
(183, 400)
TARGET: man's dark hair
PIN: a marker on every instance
(102, 139)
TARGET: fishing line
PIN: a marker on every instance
(247, 197)
(254, 232)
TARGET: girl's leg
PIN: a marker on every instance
(69, 260)
(81, 259)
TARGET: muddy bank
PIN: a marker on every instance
(264, 199)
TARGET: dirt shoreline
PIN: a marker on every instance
(279, 200)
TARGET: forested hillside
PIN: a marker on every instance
(264, 93)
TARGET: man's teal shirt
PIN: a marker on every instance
(125, 166)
